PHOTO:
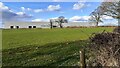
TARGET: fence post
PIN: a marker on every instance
(82, 59)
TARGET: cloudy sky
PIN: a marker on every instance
(43, 11)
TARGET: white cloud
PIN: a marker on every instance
(20, 13)
(9, 15)
(29, 9)
(85, 17)
(49, 8)
(3, 7)
(23, 8)
(12, 16)
(75, 18)
(79, 18)
(109, 23)
(23, 14)
(38, 10)
(78, 6)
(54, 8)
(106, 17)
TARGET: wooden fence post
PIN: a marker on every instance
(82, 59)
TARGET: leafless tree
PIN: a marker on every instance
(111, 9)
(96, 16)
(59, 20)
(62, 20)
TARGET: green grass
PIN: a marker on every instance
(37, 47)
(54, 54)
(24, 37)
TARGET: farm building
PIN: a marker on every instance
(10, 25)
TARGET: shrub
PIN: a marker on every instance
(117, 29)
(105, 47)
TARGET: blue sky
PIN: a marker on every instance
(66, 9)
(43, 11)
(52, 0)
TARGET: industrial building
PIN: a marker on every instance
(17, 25)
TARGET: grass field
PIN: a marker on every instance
(39, 47)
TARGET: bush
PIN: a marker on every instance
(105, 49)
(117, 29)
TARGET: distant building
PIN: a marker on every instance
(8, 25)
(17, 25)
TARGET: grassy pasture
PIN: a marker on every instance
(38, 47)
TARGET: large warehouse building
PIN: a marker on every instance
(9, 25)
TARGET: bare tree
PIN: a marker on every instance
(59, 20)
(106, 8)
(96, 16)
(111, 9)
(62, 20)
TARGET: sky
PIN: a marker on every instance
(52, 0)
(43, 11)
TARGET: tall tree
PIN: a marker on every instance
(112, 9)
(96, 16)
